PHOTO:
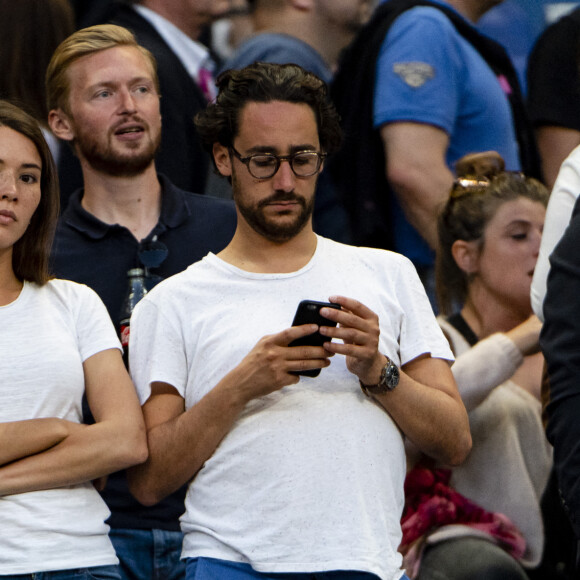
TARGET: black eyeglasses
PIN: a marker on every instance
(151, 255)
(265, 165)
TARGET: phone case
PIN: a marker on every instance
(308, 312)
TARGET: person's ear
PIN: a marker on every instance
(466, 255)
(223, 159)
(60, 124)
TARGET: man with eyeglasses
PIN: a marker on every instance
(288, 474)
(311, 35)
(104, 101)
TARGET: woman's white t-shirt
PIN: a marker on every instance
(45, 336)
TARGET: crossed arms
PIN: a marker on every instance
(48, 453)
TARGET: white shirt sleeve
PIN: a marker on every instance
(156, 349)
(420, 332)
(564, 195)
(93, 326)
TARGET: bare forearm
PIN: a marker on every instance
(86, 454)
(23, 438)
(179, 447)
(416, 168)
(434, 421)
(425, 404)
(181, 441)
(421, 196)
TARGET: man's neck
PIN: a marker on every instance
(132, 202)
(251, 252)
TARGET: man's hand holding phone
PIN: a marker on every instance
(308, 312)
(357, 329)
(278, 360)
(271, 364)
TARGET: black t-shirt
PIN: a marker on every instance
(554, 75)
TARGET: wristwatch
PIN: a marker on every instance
(389, 380)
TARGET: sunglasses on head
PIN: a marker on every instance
(467, 185)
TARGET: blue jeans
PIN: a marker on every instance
(93, 573)
(148, 554)
(212, 569)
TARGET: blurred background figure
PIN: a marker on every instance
(488, 522)
(560, 207)
(417, 89)
(228, 32)
(30, 31)
(554, 92)
(309, 34)
(515, 24)
(89, 12)
(132, 221)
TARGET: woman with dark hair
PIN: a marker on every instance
(57, 344)
(483, 518)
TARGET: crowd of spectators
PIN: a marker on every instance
(386, 156)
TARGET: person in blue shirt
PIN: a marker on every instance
(436, 89)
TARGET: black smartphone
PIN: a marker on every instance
(308, 312)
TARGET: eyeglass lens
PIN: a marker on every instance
(302, 164)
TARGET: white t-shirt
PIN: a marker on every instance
(45, 336)
(310, 478)
(562, 200)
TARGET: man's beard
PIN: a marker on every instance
(272, 231)
(104, 159)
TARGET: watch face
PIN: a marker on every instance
(388, 381)
(392, 376)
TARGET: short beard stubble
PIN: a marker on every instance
(105, 160)
(256, 219)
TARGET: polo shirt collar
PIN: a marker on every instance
(174, 211)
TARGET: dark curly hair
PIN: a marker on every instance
(263, 83)
(480, 189)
